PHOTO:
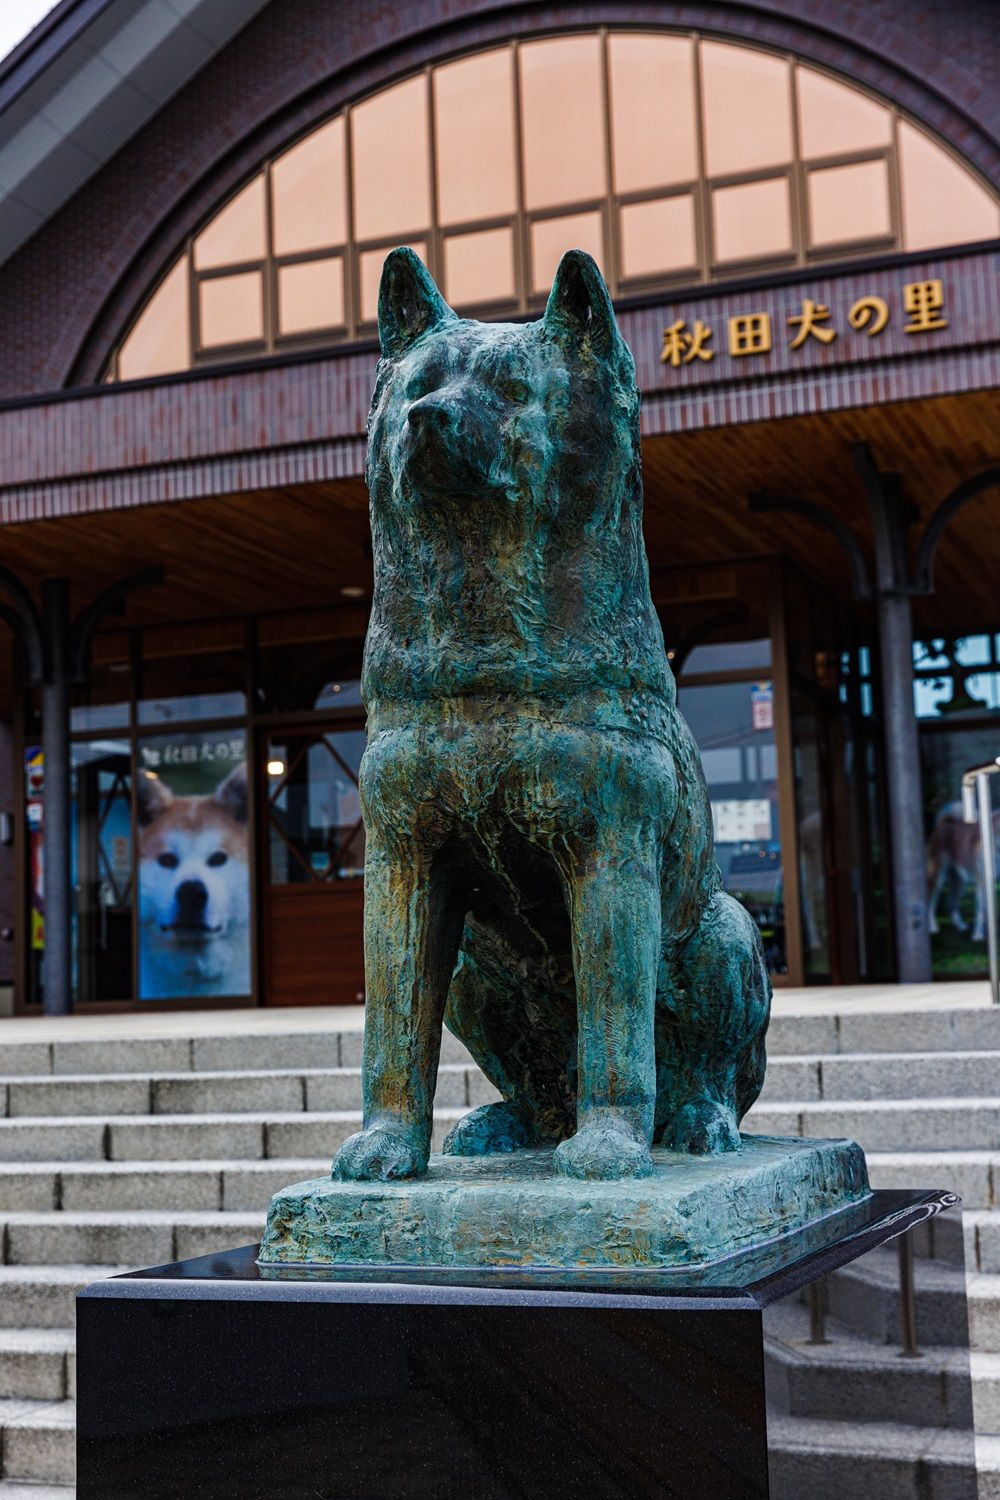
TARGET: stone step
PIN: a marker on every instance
(885, 1125)
(853, 1379)
(986, 1391)
(880, 1075)
(38, 1440)
(37, 1364)
(288, 1091)
(238, 1052)
(204, 1137)
(44, 1296)
(810, 1456)
(27, 1489)
(137, 1238)
(227, 1186)
(952, 1307)
(974, 1175)
(815, 1034)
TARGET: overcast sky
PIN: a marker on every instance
(17, 17)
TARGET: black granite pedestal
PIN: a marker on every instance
(207, 1379)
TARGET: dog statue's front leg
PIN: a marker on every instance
(615, 917)
(413, 926)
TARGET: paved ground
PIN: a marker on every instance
(825, 1000)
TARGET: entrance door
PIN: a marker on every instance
(314, 853)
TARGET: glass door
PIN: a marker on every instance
(314, 846)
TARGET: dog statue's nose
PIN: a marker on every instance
(192, 898)
(428, 414)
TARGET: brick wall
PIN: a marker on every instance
(66, 294)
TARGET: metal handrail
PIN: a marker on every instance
(977, 805)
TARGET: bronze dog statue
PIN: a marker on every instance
(540, 872)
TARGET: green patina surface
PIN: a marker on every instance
(540, 874)
(519, 1211)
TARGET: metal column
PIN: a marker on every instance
(892, 516)
(56, 802)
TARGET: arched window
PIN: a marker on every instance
(673, 159)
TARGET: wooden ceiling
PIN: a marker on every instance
(298, 547)
(698, 486)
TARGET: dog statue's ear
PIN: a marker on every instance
(152, 797)
(579, 306)
(231, 794)
(409, 304)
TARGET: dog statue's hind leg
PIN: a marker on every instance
(413, 926)
(710, 1032)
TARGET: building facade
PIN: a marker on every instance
(797, 209)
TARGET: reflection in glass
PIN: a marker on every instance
(208, 685)
(835, 118)
(311, 295)
(652, 110)
(728, 656)
(562, 97)
(741, 768)
(308, 192)
(391, 167)
(849, 203)
(160, 341)
(752, 219)
(550, 238)
(658, 236)
(943, 204)
(479, 267)
(956, 914)
(102, 869)
(237, 231)
(104, 698)
(231, 309)
(370, 264)
(747, 108)
(812, 861)
(474, 132)
(314, 811)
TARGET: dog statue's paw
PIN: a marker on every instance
(602, 1152)
(490, 1129)
(704, 1128)
(379, 1154)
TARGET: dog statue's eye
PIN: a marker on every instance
(515, 390)
(218, 858)
(168, 860)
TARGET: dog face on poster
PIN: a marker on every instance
(194, 889)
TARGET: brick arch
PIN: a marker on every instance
(301, 60)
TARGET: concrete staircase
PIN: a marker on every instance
(132, 1150)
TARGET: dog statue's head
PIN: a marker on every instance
(527, 411)
(506, 499)
(193, 860)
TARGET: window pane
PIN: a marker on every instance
(311, 295)
(232, 309)
(943, 204)
(314, 813)
(371, 273)
(834, 118)
(563, 108)
(652, 111)
(391, 169)
(479, 267)
(658, 236)
(747, 107)
(160, 342)
(204, 685)
(308, 187)
(550, 238)
(849, 203)
(237, 231)
(474, 128)
(752, 219)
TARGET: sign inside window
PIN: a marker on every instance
(194, 877)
